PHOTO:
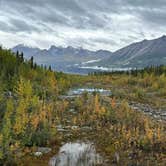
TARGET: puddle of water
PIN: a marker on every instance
(80, 91)
(76, 154)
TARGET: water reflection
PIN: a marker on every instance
(76, 154)
(80, 91)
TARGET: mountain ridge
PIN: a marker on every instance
(138, 54)
(58, 50)
(66, 59)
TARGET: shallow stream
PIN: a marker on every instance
(79, 91)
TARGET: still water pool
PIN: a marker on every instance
(76, 154)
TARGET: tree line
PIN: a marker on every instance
(156, 70)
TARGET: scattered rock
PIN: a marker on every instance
(117, 157)
(62, 130)
(44, 150)
(132, 155)
(71, 110)
(86, 128)
(38, 154)
(158, 114)
(74, 127)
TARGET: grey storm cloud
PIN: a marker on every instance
(20, 25)
(89, 23)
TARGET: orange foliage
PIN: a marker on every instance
(113, 102)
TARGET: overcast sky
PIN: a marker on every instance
(92, 24)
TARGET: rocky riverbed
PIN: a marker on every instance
(158, 114)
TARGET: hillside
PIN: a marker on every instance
(140, 54)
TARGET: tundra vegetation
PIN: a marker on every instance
(31, 108)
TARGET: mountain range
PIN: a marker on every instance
(79, 60)
(140, 54)
(60, 52)
(66, 59)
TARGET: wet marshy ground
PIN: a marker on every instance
(74, 152)
(82, 153)
(80, 144)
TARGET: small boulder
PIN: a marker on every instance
(38, 154)
(44, 150)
